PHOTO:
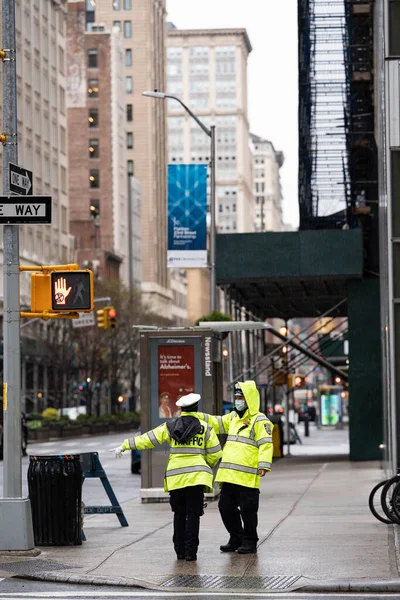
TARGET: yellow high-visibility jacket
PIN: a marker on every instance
(249, 444)
(189, 463)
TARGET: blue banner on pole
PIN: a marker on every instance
(187, 213)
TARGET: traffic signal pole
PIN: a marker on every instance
(16, 532)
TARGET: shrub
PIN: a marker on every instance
(34, 424)
(50, 414)
(83, 418)
(216, 315)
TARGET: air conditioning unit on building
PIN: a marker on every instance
(96, 27)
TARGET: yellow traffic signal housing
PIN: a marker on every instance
(102, 321)
(62, 291)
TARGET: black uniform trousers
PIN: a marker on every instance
(239, 503)
(187, 506)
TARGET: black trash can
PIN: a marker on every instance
(55, 491)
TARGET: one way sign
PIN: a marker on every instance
(20, 180)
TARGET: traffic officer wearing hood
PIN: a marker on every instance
(247, 456)
(194, 451)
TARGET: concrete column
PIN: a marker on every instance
(365, 375)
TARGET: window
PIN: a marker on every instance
(64, 223)
(93, 88)
(130, 167)
(93, 117)
(129, 112)
(128, 57)
(129, 139)
(127, 29)
(117, 24)
(127, 4)
(128, 84)
(94, 151)
(92, 58)
(116, 4)
(63, 179)
(94, 178)
(95, 209)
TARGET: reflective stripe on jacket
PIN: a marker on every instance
(249, 443)
(188, 464)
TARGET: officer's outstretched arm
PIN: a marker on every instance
(213, 447)
(219, 424)
(263, 437)
(147, 440)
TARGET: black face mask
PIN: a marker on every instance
(240, 412)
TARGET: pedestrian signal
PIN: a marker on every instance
(298, 381)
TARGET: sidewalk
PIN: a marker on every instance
(315, 530)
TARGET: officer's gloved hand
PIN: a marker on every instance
(118, 451)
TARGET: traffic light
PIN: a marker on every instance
(112, 317)
(62, 291)
(298, 380)
(102, 321)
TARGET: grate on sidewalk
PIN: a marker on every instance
(281, 582)
(30, 567)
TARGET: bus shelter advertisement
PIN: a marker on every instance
(175, 377)
(187, 212)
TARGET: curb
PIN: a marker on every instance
(349, 585)
(334, 586)
(88, 580)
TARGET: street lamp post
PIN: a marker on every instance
(211, 134)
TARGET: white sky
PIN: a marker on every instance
(272, 71)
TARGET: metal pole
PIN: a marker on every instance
(12, 359)
(16, 532)
(213, 279)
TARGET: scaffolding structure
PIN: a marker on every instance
(337, 155)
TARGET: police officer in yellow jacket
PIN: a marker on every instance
(194, 450)
(247, 456)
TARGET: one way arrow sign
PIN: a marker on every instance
(20, 181)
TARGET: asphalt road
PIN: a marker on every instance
(125, 485)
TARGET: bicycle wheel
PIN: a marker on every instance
(375, 505)
(391, 495)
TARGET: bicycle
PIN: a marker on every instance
(387, 501)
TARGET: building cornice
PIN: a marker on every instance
(211, 33)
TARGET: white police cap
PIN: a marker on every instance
(188, 400)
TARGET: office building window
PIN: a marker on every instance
(128, 84)
(130, 167)
(94, 178)
(93, 117)
(129, 112)
(116, 4)
(129, 140)
(93, 88)
(94, 151)
(92, 58)
(117, 24)
(127, 4)
(128, 57)
(94, 208)
(127, 29)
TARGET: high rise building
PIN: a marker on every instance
(42, 129)
(207, 70)
(267, 187)
(98, 180)
(43, 149)
(143, 28)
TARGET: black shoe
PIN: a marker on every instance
(191, 557)
(180, 556)
(228, 547)
(247, 550)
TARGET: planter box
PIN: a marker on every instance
(43, 433)
(72, 431)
